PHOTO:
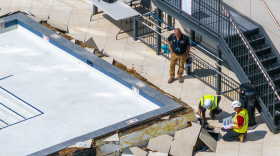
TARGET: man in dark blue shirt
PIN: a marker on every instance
(179, 47)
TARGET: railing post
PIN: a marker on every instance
(180, 5)
(169, 22)
(273, 107)
(135, 28)
(192, 37)
(228, 28)
(199, 10)
(219, 20)
(219, 55)
(158, 12)
(95, 10)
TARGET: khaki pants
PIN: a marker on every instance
(173, 61)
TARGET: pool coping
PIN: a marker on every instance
(163, 101)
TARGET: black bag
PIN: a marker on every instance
(189, 61)
(109, 1)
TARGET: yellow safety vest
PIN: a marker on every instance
(213, 99)
(244, 114)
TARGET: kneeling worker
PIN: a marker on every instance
(239, 130)
(209, 102)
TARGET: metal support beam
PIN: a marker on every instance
(219, 69)
(192, 37)
(169, 22)
(158, 12)
(135, 28)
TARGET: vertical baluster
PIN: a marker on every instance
(273, 107)
(219, 17)
(199, 10)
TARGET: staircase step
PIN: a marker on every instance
(254, 37)
(253, 40)
(262, 48)
(8, 115)
(272, 67)
(267, 57)
(275, 77)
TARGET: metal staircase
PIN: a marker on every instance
(245, 49)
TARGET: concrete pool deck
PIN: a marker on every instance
(81, 97)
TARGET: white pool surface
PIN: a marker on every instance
(76, 99)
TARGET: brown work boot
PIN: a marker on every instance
(171, 80)
(181, 80)
(241, 137)
(245, 135)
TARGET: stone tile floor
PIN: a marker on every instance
(76, 14)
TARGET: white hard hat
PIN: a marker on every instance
(235, 104)
(208, 103)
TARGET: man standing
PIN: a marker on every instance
(179, 47)
(211, 103)
(238, 132)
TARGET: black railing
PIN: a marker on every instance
(215, 15)
(251, 65)
(208, 74)
(200, 69)
(147, 33)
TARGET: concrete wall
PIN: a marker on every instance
(255, 10)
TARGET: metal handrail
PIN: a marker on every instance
(273, 18)
(192, 48)
(250, 50)
(176, 10)
(196, 51)
(213, 68)
(173, 29)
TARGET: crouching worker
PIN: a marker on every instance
(238, 132)
(211, 103)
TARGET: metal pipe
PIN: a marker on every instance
(273, 18)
